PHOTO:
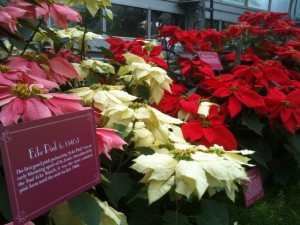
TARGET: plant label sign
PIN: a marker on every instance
(254, 190)
(49, 161)
(211, 58)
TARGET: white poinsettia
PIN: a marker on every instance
(103, 96)
(111, 216)
(160, 125)
(77, 36)
(93, 5)
(142, 136)
(192, 170)
(142, 73)
(97, 66)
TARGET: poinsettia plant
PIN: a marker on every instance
(173, 133)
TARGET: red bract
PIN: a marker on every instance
(172, 32)
(267, 74)
(214, 37)
(209, 131)
(170, 103)
(151, 54)
(264, 19)
(284, 107)
(236, 94)
(247, 56)
(195, 68)
(290, 49)
(191, 103)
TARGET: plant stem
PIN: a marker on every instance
(32, 36)
(82, 56)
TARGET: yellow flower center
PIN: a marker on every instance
(286, 103)
(215, 150)
(256, 69)
(96, 87)
(199, 101)
(136, 105)
(4, 68)
(182, 154)
(205, 123)
(234, 89)
(23, 91)
(168, 146)
(33, 56)
(183, 97)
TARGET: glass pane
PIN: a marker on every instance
(280, 6)
(128, 22)
(242, 2)
(260, 4)
(160, 19)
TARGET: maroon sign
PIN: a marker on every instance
(254, 189)
(211, 58)
(49, 161)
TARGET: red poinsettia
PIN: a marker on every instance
(195, 68)
(290, 49)
(247, 56)
(170, 103)
(209, 130)
(285, 107)
(191, 103)
(151, 54)
(265, 19)
(237, 94)
(267, 74)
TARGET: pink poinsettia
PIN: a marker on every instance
(24, 102)
(108, 139)
(55, 69)
(28, 223)
(9, 17)
(21, 73)
(61, 14)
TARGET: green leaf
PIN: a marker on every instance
(142, 213)
(62, 215)
(145, 150)
(253, 123)
(119, 186)
(143, 92)
(281, 171)
(86, 208)
(4, 200)
(123, 130)
(293, 145)
(175, 218)
(263, 152)
(106, 52)
(142, 193)
(3, 46)
(213, 213)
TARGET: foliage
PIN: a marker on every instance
(280, 206)
(186, 127)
